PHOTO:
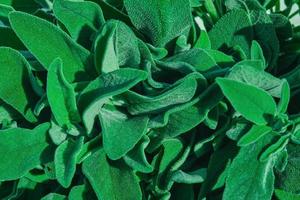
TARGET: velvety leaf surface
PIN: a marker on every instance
(98, 91)
(120, 131)
(65, 160)
(149, 99)
(25, 146)
(80, 18)
(61, 96)
(181, 92)
(111, 179)
(253, 76)
(55, 42)
(16, 89)
(227, 33)
(249, 178)
(161, 25)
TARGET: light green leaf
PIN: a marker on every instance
(54, 196)
(254, 134)
(203, 41)
(105, 54)
(172, 149)
(223, 60)
(128, 53)
(275, 148)
(81, 18)
(121, 132)
(181, 92)
(160, 24)
(227, 33)
(243, 72)
(283, 195)
(81, 192)
(4, 11)
(285, 97)
(112, 180)
(183, 118)
(65, 160)
(55, 42)
(21, 149)
(251, 102)
(92, 98)
(248, 178)
(136, 157)
(61, 96)
(197, 176)
(200, 59)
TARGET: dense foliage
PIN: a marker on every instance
(134, 99)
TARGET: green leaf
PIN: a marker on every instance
(54, 196)
(172, 149)
(81, 192)
(285, 97)
(288, 180)
(257, 52)
(197, 176)
(281, 160)
(160, 24)
(200, 59)
(203, 41)
(183, 118)
(265, 35)
(251, 102)
(275, 148)
(243, 72)
(55, 42)
(111, 179)
(105, 54)
(82, 19)
(88, 148)
(136, 157)
(181, 92)
(223, 60)
(121, 132)
(22, 150)
(283, 195)
(57, 134)
(65, 160)
(254, 134)
(15, 84)
(61, 96)
(128, 53)
(226, 33)
(4, 11)
(98, 92)
(248, 178)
